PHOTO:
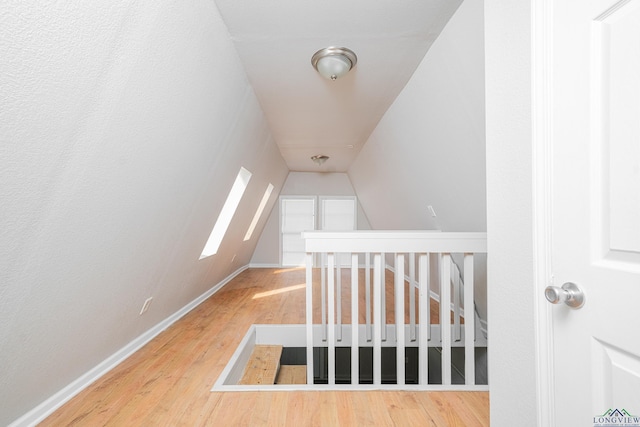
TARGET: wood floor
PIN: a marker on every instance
(168, 382)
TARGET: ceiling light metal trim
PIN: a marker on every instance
(341, 54)
(319, 159)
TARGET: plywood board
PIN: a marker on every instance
(263, 365)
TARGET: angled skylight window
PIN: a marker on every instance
(226, 214)
(256, 217)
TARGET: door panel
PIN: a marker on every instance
(616, 375)
(297, 215)
(596, 208)
(616, 118)
(338, 214)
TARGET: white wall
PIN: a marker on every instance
(267, 251)
(512, 349)
(123, 127)
(429, 148)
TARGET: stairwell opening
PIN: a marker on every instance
(285, 368)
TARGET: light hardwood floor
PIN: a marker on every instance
(168, 382)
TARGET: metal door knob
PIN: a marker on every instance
(570, 294)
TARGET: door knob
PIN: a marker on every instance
(570, 294)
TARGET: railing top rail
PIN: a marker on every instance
(395, 241)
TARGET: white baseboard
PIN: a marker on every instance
(258, 265)
(46, 408)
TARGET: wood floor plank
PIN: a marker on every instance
(405, 410)
(168, 381)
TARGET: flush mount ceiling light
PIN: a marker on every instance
(333, 62)
(319, 159)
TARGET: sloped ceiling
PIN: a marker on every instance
(308, 114)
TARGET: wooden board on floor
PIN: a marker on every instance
(292, 374)
(262, 366)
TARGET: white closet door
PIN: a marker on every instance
(338, 214)
(297, 215)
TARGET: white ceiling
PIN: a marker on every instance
(308, 114)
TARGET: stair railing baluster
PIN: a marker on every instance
(425, 320)
(338, 298)
(445, 316)
(331, 339)
(377, 320)
(355, 338)
(309, 316)
(399, 314)
(456, 282)
(412, 296)
(469, 321)
(367, 291)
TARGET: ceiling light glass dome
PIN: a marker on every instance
(334, 62)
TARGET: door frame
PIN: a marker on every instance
(542, 191)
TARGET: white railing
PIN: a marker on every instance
(327, 250)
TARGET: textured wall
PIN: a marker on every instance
(429, 148)
(123, 126)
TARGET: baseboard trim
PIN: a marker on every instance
(258, 265)
(46, 408)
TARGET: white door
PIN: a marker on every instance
(596, 210)
(297, 215)
(338, 214)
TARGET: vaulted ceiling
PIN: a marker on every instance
(308, 114)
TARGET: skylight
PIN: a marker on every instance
(256, 217)
(226, 214)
